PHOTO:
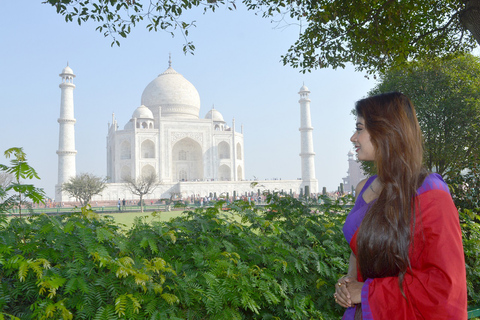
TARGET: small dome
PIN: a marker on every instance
(215, 115)
(67, 69)
(142, 112)
(67, 72)
(304, 88)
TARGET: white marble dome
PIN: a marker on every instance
(142, 112)
(67, 70)
(215, 115)
(304, 88)
(174, 94)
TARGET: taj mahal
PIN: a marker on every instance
(167, 137)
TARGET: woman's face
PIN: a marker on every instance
(361, 141)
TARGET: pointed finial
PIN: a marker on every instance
(67, 63)
(213, 106)
(169, 59)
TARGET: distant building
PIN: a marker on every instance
(355, 174)
(191, 156)
(166, 137)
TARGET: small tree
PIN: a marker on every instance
(84, 186)
(12, 176)
(141, 186)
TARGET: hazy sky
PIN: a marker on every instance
(236, 67)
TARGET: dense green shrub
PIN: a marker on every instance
(471, 242)
(76, 267)
(275, 264)
(278, 264)
(240, 262)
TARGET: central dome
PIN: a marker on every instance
(174, 95)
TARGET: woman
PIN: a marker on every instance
(407, 258)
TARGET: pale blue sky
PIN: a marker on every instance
(236, 67)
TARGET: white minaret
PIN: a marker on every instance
(66, 144)
(306, 153)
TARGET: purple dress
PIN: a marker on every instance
(353, 221)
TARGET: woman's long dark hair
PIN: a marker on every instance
(385, 235)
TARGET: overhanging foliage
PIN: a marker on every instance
(373, 35)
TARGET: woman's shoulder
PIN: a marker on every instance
(362, 184)
(433, 181)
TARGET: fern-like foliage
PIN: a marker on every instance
(276, 262)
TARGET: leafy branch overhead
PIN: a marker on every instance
(373, 35)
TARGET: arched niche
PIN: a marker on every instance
(148, 149)
(224, 173)
(147, 170)
(239, 173)
(187, 160)
(223, 150)
(239, 151)
(125, 150)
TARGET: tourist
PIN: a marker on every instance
(119, 209)
(124, 202)
(407, 259)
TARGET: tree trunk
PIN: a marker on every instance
(470, 18)
(141, 202)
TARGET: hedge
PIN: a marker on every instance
(280, 262)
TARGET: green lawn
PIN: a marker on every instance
(127, 217)
(121, 217)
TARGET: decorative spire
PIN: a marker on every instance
(213, 106)
(169, 59)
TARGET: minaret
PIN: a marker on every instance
(307, 155)
(66, 144)
(234, 152)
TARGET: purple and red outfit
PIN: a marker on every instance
(435, 285)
